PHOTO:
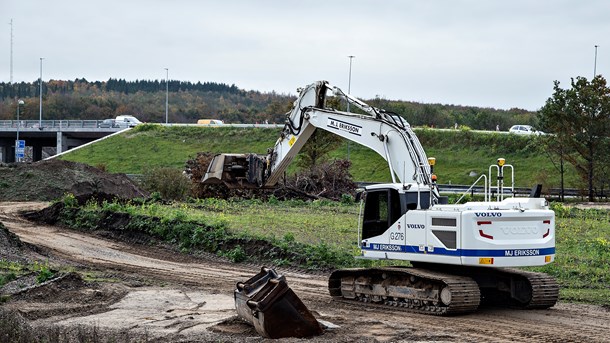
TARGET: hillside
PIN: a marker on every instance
(458, 153)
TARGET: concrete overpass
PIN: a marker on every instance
(59, 134)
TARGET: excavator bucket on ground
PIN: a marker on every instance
(236, 170)
(275, 311)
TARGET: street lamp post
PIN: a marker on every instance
(349, 81)
(19, 103)
(595, 63)
(40, 101)
(349, 89)
(166, 94)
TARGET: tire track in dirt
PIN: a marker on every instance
(564, 323)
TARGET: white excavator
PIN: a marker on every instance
(459, 252)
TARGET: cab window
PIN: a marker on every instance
(381, 209)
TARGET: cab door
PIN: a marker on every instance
(382, 210)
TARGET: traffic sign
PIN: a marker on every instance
(19, 149)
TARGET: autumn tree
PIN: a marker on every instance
(579, 120)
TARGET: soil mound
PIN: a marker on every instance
(10, 246)
(49, 180)
(68, 293)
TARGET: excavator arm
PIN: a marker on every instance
(384, 132)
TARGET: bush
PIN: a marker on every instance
(44, 273)
(171, 183)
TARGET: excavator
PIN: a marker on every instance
(462, 255)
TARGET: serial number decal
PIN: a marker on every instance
(488, 214)
(344, 126)
(522, 252)
(397, 236)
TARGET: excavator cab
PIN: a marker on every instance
(384, 206)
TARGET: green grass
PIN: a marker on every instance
(149, 146)
(325, 232)
(306, 222)
(457, 152)
(582, 254)
(10, 271)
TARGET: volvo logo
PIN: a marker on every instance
(488, 214)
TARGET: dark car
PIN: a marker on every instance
(107, 123)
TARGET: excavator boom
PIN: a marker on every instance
(385, 133)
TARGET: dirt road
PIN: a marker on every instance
(196, 300)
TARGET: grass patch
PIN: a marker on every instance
(458, 152)
(322, 235)
(583, 254)
(10, 271)
(217, 226)
(154, 146)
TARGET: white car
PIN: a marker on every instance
(126, 121)
(525, 130)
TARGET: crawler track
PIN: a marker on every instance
(435, 290)
(410, 289)
(543, 288)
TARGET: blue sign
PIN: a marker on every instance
(19, 149)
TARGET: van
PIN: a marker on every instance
(209, 122)
(126, 121)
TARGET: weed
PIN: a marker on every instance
(4, 279)
(235, 255)
(347, 199)
(44, 272)
(69, 200)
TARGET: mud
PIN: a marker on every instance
(174, 297)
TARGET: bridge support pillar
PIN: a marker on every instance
(36, 152)
(62, 143)
(8, 153)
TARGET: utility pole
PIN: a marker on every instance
(11, 79)
(166, 94)
(349, 81)
(349, 88)
(40, 119)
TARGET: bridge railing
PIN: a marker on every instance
(12, 124)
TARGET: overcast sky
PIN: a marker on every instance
(499, 54)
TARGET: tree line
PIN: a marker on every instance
(82, 99)
(27, 89)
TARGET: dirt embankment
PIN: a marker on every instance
(50, 180)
